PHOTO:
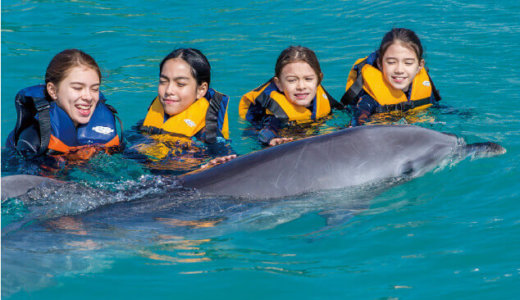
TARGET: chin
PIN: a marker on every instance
(171, 112)
(305, 103)
(82, 121)
(301, 102)
(401, 86)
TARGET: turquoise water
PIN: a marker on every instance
(453, 233)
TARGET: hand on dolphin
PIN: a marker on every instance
(279, 141)
(218, 161)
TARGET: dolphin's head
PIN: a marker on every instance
(486, 149)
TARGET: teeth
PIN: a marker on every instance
(83, 107)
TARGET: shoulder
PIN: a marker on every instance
(28, 143)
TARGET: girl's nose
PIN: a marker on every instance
(87, 94)
(399, 68)
(170, 89)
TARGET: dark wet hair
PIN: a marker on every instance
(406, 36)
(296, 54)
(200, 67)
(62, 62)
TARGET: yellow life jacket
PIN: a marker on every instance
(202, 114)
(275, 103)
(374, 84)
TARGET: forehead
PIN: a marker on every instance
(400, 50)
(82, 74)
(298, 68)
(176, 67)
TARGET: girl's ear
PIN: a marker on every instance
(202, 90)
(52, 90)
(421, 64)
(278, 83)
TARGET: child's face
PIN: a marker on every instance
(178, 88)
(77, 94)
(400, 65)
(299, 83)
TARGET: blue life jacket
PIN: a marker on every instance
(56, 129)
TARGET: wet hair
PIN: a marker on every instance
(296, 54)
(62, 62)
(200, 67)
(407, 37)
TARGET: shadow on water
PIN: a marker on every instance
(73, 228)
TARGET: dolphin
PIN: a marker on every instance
(345, 158)
(246, 191)
(348, 157)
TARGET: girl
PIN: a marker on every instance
(186, 110)
(392, 78)
(293, 94)
(67, 116)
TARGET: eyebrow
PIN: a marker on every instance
(296, 76)
(82, 83)
(175, 78)
(391, 57)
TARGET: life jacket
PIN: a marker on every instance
(208, 113)
(374, 84)
(58, 135)
(269, 100)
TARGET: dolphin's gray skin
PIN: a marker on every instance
(17, 185)
(345, 158)
(341, 159)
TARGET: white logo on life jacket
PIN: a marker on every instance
(426, 83)
(325, 96)
(190, 122)
(103, 129)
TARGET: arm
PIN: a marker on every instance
(28, 143)
(268, 135)
(221, 150)
(365, 107)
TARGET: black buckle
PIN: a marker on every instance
(41, 104)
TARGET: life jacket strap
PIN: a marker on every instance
(212, 118)
(44, 119)
(435, 91)
(269, 103)
(403, 106)
(351, 95)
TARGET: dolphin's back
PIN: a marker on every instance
(344, 158)
(17, 185)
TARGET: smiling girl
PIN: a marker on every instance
(294, 94)
(68, 114)
(186, 114)
(394, 78)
